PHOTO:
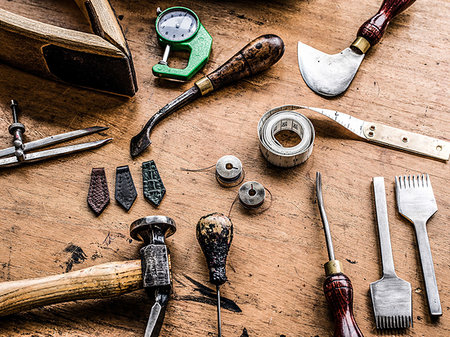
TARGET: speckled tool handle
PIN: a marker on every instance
(105, 280)
(373, 29)
(255, 57)
(339, 294)
(214, 234)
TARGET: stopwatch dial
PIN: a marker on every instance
(177, 25)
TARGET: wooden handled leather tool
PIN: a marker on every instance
(259, 55)
(152, 273)
(337, 286)
(100, 61)
(330, 75)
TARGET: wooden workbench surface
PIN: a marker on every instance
(275, 264)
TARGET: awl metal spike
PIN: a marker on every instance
(20, 152)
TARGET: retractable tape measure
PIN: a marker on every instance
(285, 118)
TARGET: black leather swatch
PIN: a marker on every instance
(125, 190)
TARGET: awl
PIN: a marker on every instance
(337, 286)
(330, 75)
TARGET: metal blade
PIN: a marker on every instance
(157, 313)
(44, 142)
(328, 75)
(351, 123)
(47, 154)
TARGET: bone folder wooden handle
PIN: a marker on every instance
(373, 29)
(102, 281)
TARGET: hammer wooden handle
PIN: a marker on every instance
(373, 29)
(105, 280)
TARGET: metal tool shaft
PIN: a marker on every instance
(14, 109)
(323, 215)
(383, 226)
(219, 319)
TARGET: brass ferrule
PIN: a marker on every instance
(333, 267)
(361, 44)
(205, 85)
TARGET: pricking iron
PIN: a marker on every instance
(19, 153)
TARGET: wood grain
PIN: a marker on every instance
(275, 264)
(339, 294)
(105, 280)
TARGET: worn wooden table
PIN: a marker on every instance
(275, 263)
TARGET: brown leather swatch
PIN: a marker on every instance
(98, 196)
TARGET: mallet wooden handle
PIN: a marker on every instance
(105, 280)
(339, 294)
(373, 29)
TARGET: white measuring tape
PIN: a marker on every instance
(284, 118)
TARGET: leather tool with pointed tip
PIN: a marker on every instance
(100, 61)
(337, 286)
(111, 279)
(330, 75)
(215, 234)
(20, 153)
(260, 54)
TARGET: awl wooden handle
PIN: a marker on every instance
(105, 280)
(373, 29)
(339, 294)
(258, 55)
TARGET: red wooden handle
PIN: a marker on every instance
(339, 294)
(373, 29)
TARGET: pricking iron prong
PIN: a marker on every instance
(20, 152)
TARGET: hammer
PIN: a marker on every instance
(112, 279)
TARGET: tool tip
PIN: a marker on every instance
(138, 144)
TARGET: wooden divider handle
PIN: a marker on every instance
(105, 280)
(373, 29)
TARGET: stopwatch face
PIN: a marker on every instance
(177, 25)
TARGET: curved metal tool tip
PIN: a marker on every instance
(328, 75)
(139, 143)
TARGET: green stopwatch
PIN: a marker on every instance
(179, 28)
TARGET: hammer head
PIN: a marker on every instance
(156, 273)
(328, 75)
(153, 229)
